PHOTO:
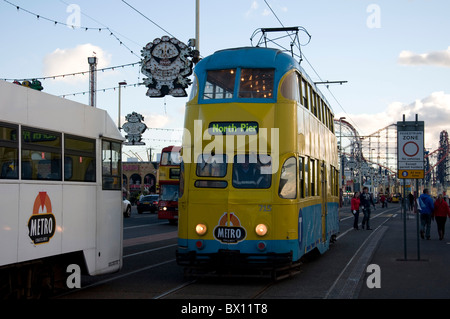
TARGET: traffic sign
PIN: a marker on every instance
(410, 149)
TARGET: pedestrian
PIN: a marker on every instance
(365, 201)
(440, 212)
(411, 201)
(355, 209)
(383, 201)
(426, 209)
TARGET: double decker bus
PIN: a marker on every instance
(169, 183)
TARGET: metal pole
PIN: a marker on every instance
(92, 80)
(197, 25)
(118, 119)
(404, 218)
(417, 219)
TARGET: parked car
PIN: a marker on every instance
(126, 207)
(147, 203)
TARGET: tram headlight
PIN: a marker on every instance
(201, 229)
(261, 230)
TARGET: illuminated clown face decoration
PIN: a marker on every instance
(167, 66)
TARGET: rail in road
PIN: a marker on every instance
(150, 270)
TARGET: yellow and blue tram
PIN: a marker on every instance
(259, 172)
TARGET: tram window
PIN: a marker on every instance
(111, 165)
(251, 171)
(288, 179)
(313, 176)
(210, 184)
(301, 173)
(41, 155)
(9, 152)
(170, 158)
(256, 83)
(290, 87)
(305, 93)
(313, 101)
(306, 170)
(219, 84)
(182, 179)
(79, 159)
(212, 165)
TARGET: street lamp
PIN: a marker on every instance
(118, 120)
(340, 150)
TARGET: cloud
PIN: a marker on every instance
(156, 120)
(73, 60)
(437, 58)
(434, 110)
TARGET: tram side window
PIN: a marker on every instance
(9, 151)
(288, 179)
(290, 87)
(41, 155)
(111, 165)
(256, 83)
(219, 84)
(313, 174)
(306, 170)
(305, 93)
(251, 171)
(301, 174)
(79, 159)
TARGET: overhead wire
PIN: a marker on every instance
(56, 22)
(312, 67)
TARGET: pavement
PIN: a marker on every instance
(387, 269)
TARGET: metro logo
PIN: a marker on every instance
(41, 225)
(229, 230)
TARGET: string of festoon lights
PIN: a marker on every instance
(112, 68)
(55, 22)
(99, 90)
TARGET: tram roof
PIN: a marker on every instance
(22, 105)
(254, 57)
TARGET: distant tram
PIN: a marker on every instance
(169, 183)
(60, 191)
(259, 172)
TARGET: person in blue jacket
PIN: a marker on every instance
(426, 209)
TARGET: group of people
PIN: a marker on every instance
(429, 210)
(432, 210)
(363, 200)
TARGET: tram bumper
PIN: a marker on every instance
(232, 259)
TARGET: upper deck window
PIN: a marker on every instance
(256, 83)
(220, 84)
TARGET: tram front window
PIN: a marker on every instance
(219, 84)
(256, 83)
(251, 171)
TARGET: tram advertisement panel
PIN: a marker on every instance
(40, 221)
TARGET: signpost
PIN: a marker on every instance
(410, 163)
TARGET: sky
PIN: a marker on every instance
(394, 55)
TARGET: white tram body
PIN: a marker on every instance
(60, 182)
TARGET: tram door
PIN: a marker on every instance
(324, 194)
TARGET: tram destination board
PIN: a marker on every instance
(410, 149)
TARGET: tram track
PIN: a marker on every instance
(185, 288)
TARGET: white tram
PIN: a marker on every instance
(60, 190)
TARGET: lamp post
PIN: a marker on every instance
(340, 151)
(120, 85)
